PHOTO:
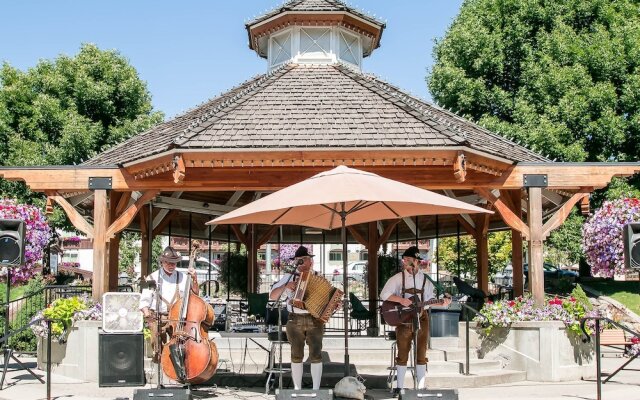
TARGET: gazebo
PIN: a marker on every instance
(313, 110)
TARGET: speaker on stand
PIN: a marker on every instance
(631, 240)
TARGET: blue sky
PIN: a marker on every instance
(191, 50)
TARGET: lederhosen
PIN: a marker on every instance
(404, 332)
(153, 326)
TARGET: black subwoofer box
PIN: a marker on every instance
(121, 359)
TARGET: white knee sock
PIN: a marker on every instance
(296, 375)
(421, 371)
(316, 374)
(401, 372)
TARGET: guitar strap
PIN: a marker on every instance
(414, 290)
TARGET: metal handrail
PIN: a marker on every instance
(587, 339)
(466, 320)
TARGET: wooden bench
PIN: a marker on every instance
(614, 338)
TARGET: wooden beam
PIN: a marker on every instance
(129, 214)
(100, 261)
(123, 203)
(114, 244)
(507, 215)
(471, 229)
(536, 250)
(242, 237)
(357, 235)
(48, 208)
(516, 244)
(179, 169)
(145, 262)
(163, 213)
(76, 219)
(163, 224)
(267, 235)
(584, 206)
(387, 232)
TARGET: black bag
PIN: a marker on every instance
(271, 316)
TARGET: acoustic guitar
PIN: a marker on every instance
(395, 314)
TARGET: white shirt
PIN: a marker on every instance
(394, 286)
(169, 285)
(289, 293)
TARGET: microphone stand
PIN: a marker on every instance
(277, 304)
(416, 326)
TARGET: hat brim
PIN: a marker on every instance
(173, 260)
(306, 255)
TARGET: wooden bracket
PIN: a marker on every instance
(584, 206)
(267, 235)
(179, 169)
(387, 232)
(76, 219)
(357, 235)
(49, 206)
(243, 238)
(129, 214)
(509, 217)
(460, 167)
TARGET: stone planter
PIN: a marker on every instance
(78, 357)
(545, 350)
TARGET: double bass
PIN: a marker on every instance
(189, 356)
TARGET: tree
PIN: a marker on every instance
(64, 111)
(561, 76)
(499, 253)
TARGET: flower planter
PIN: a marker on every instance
(543, 349)
(78, 357)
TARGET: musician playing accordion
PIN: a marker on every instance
(406, 287)
(302, 326)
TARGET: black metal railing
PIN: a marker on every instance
(587, 339)
(466, 311)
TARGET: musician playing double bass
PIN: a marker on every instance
(302, 327)
(401, 288)
(171, 285)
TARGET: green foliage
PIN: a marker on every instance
(66, 110)
(388, 266)
(499, 253)
(62, 311)
(562, 76)
(130, 248)
(234, 273)
(26, 340)
(564, 246)
(580, 296)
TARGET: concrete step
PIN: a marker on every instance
(458, 353)
(444, 342)
(481, 378)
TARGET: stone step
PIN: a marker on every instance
(444, 342)
(481, 378)
(458, 353)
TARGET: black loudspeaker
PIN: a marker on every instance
(290, 394)
(631, 239)
(121, 359)
(155, 394)
(12, 233)
(429, 394)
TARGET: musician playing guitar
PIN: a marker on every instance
(412, 290)
(302, 327)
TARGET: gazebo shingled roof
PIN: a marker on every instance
(316, 107)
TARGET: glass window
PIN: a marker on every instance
(280, 48)
(335, 256)
(315, 42)
(349, 48)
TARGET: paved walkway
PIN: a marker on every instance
(20, 385)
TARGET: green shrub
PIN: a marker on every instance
(234, 273)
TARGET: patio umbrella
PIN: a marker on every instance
(339, 198)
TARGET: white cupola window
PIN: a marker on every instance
(349, 48)
(280, 48)
(315, 43)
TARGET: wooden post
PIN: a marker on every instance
(114, 243)
(536, 274)
(146, 242)
(516, 246)
(252, 255)
(372, 270)
(482, 256)
(100, 261)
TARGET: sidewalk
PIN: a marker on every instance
(20, 385)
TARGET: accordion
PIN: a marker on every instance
(316, 295)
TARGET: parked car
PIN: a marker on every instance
(202, 268)
(355, 271)
(551, 274)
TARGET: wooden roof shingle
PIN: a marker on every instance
(315, 107)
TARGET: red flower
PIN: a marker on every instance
(635, 340)
(511, 303)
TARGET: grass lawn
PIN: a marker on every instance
(627, 293)
(15, 293)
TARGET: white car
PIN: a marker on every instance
(202, 268)
(355, 271)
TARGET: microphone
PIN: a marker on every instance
(299, 262)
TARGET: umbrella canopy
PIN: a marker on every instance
(318, 201)
(341, 197)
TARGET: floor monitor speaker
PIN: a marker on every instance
(121, 359)
(162, 394)
(306, 394)
(429, 394)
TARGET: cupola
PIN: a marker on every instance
(315, 32)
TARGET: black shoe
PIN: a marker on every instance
(397, 392)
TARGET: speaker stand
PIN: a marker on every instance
(7, 350)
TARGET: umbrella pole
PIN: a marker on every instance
(345, 284)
